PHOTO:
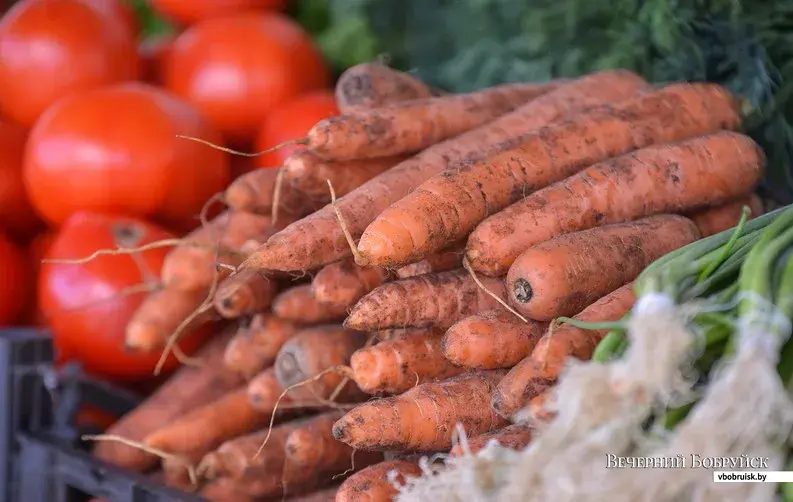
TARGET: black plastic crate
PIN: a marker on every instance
(42, 458)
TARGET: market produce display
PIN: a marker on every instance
(331, 283)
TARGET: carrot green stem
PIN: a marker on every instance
(727, 248)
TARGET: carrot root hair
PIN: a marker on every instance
(277, 186)
(299, 141)
(359, 259)
(497, 298)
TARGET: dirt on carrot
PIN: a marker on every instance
(373, 85)
(447, 259)
(375, 483)
(490, 340)
(253, 193)
(538, 372)
(560, 277)
(244, 293)
(424, 418)
(671, 178)
(254, 346)
(190, 388)
(343, 283)
(298, 304)
(437, 300)
(514, 437)
(713, 220)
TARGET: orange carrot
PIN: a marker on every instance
(226, 490)
(491, 339)
(309, 174)
(672, 178)
(189, 388)
(449, 206)
(264, 390)
(372, 85)
(317, 239)
(191, 268)
(719, 218)
(244, 293)
(374, 484)
(254, 347)
(396, 365)
(343, 283)
(160, 313)
(424, 418)
(328, 495)
(538, 409)
(447, 259)
(312, 351)
(541, 369)
(438, 300)
(560, 277)
(514, 437)
(253, 193)
(299, 305)
(410, 126)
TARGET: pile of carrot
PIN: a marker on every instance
(418, 249)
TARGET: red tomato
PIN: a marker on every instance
(91, 416)
(52, 48)
(16, 280)
(116, 150)
(236, 69)
(292, 120)
(189, 11)
(16, 214)
(122, 11)
(86, 305)
(153, 54)
(37, 249)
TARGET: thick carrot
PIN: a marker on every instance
(207, 427)
(191, 268)
(491, 339)
(264, 390)
(189, 388)
(254, 347)
(160, 313)
(253, 193)
(226, 490)
(438, 300)
(313, 446)
(514, 437)
(343, 283)
(541, 369)
(312, 351)
(372, 85)
(447, 259)
(244, 293)
(374, 484)
(449, 206)
(410, 126)
(394, 366)
(671, 178)
(317, 239)
(424, 418)
(716, 219)
(560, 277)
(309, 174)
(299, 305)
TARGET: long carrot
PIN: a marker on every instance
(514, 437)
(449, 206)
(253, 193)
(254, 347)
(313, 351)
(343, 283)
(541, 369)
(189, 388)
(411, 126)
(560, 277)
(189, 267)
(491, 339)
(247, 292)
(374, 484)
(446, 259)
(716, 219)
(309, 174)
(160, 313)
(372, 85)
(438, 300)
(318, 240)
(671, 178)
(299, 305)
(424, 418)
(264, 390)
(396, 365)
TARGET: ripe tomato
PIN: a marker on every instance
(36, 250)
(88, 305)
(292, 120)
(52, 48)
(16, 214)
(116, 150)
(237, 68)
(16, 280)
(153, 54)
(189, 11)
